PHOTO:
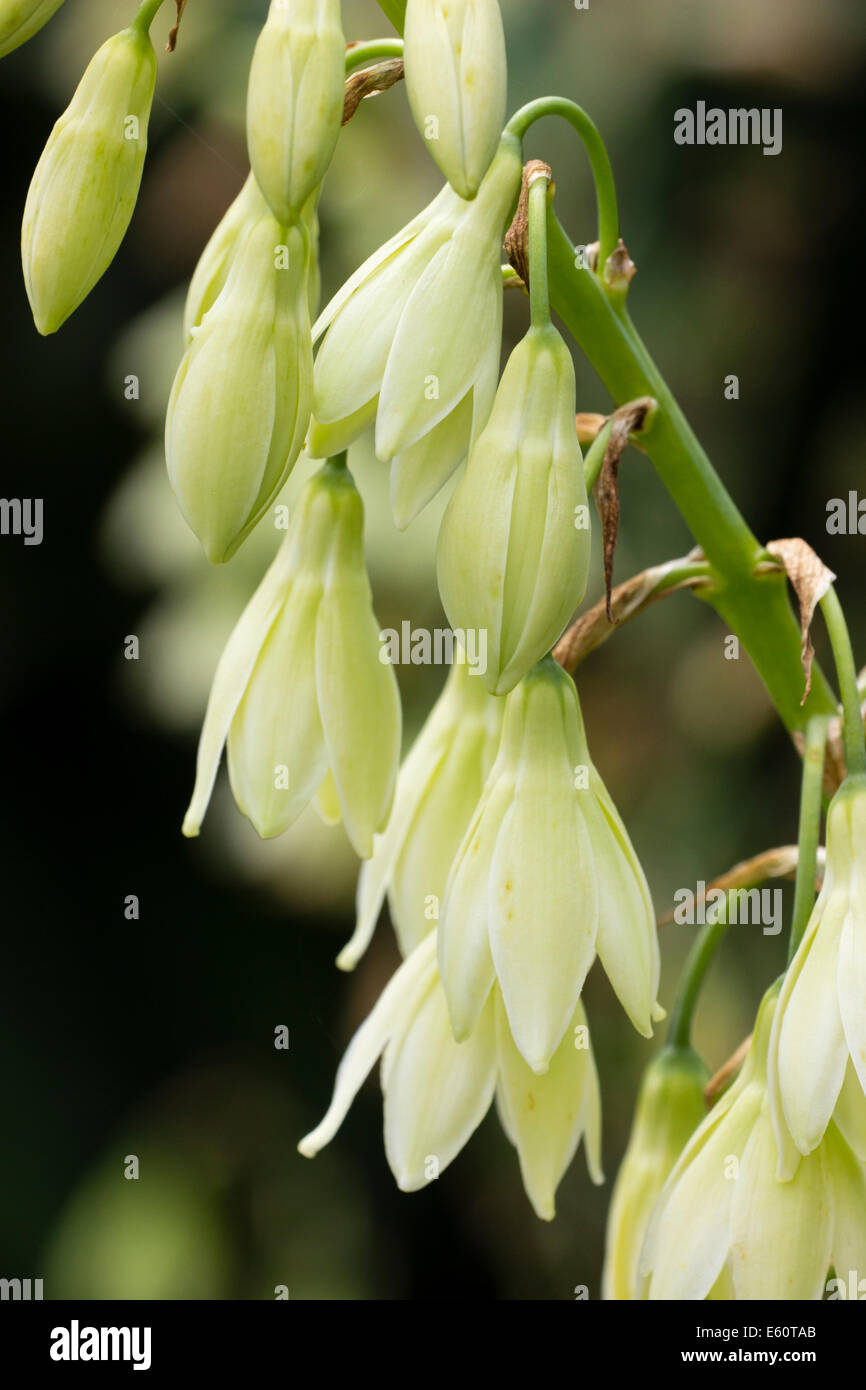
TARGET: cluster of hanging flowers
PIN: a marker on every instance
(507, 868)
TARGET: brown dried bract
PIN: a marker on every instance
(811, 580)
(517, 236)
(172, 38)
(628, 419)
(369, 82)
(749, 873)
(724, 1075)
(627, 600)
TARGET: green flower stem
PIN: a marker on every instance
(539, 297)
(811, 797)
(338, 461)
(697, 964)
(395, 10)
(756, 608)
(146, 15)
(846, 670)
(605, 189)
(373, 51)
(594, 457)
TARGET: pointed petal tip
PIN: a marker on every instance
(307, 1146)
(190, 828)
(348, 958)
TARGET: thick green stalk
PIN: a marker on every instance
(756, 608)
(395, 10)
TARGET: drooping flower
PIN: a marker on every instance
(295, 101)
(724, 1218)
(300, 693)
(545, 878)
(21, 19)
(819, 1033)
(456, 80)
(437, 792)
(514, 543)
(240, 404)
(413, 340)
(437, 1091)
(669, 1109)
(85, 186)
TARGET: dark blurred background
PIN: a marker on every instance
(154, 1037)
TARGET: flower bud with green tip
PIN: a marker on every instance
(437, 792)
(456, 80)
(437, 1091)
(413, 340)
(544, 879)
(820, 1027)
(295, 100)
(514, 544)
(240, 403)
(21, 19)
(300, 693)
(86, 183)
(669, 1109)
(724, 1221)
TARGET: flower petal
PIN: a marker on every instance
(437, 1091)
(781, 1232)
(546, 1115)
(232, 674)
(395, 1005)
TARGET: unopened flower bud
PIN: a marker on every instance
(669, 1109)
(300, 692)
(86, 183)
(514, 544)
(295, 100)
(240, 403)
(456, 79)
(21, 19)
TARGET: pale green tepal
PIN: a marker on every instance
(456, 81)
(669, 1109)
(240, 403)
(725, 1226)
(215, 261)
(545, 878)
(819, 1033)
(437, 792)
(437, 1091)
(514, 546)
(427, 310)
(21, 19)
(300, 693)
(295, 100)
(86, 183)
